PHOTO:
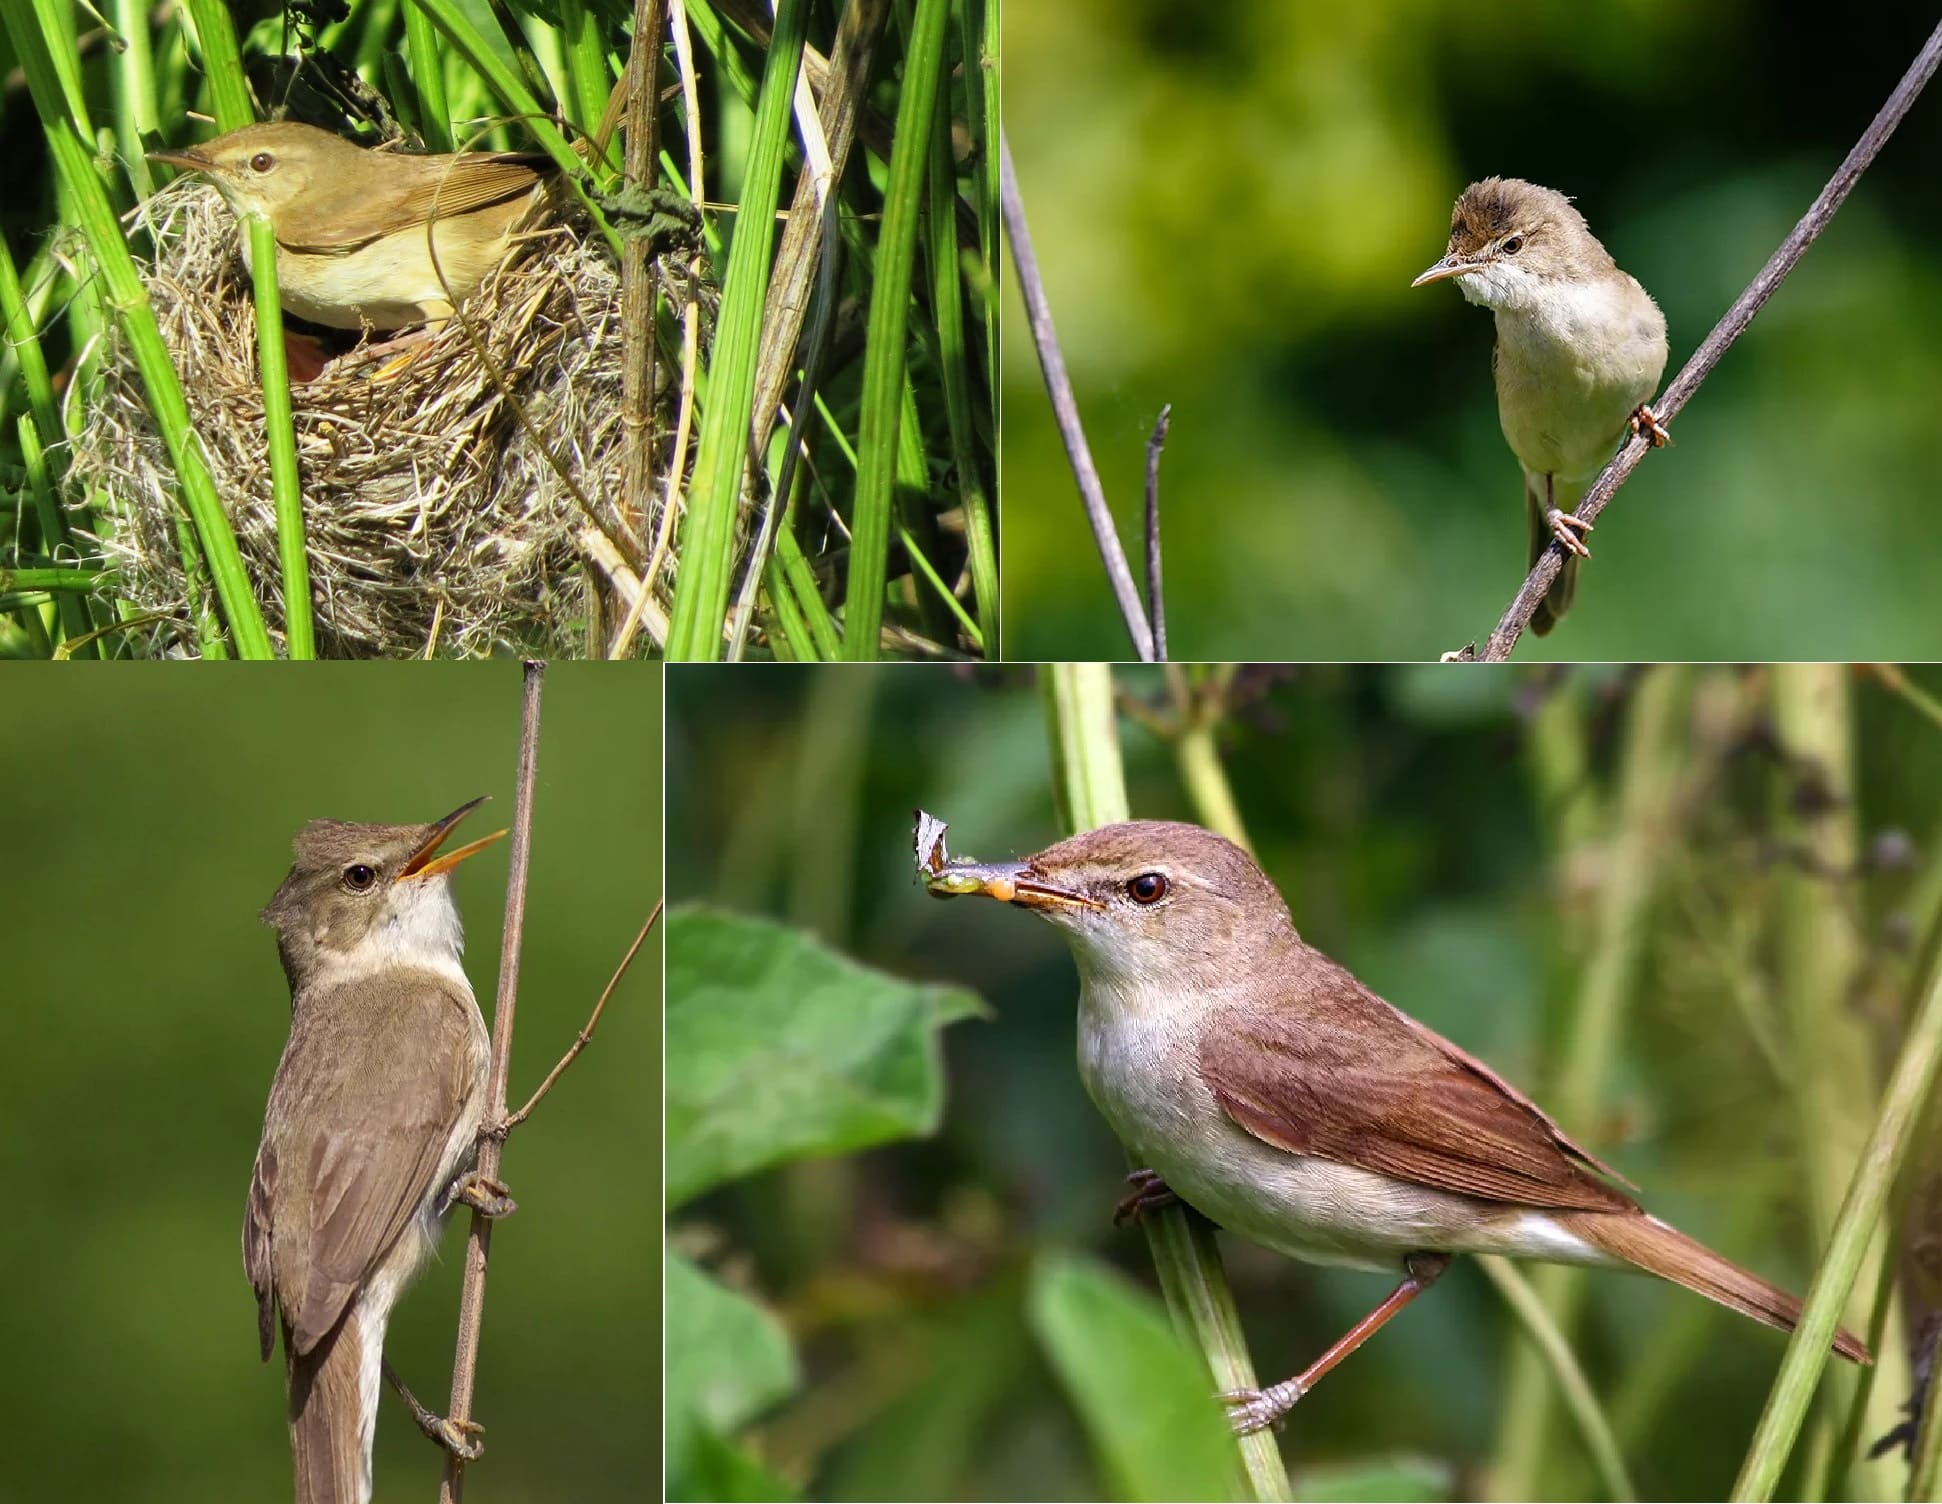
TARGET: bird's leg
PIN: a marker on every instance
(1563, 524)
(459, 1437)
(1646, 423)
(1149, 1194)
(1256, 1409)
(487, 1197)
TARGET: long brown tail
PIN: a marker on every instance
(1665, 1251)
(328, 1429)
(1557, 600)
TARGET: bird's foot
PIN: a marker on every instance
(459, 1437)
(1566, 528)
(486, 1196)
(1149, 1194)
(1250, 1410)
(1646, 424)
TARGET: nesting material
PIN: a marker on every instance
(434, 519)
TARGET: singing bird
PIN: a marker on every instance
(1580, 349)
(371, 1130)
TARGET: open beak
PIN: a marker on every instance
(426, 862)
(188, 161)
(1449, 266)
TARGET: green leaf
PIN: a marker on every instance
(1141, 1392)
(778, 1049)
(1405, 1480)
(728, 1360)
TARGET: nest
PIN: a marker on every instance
(435, 520)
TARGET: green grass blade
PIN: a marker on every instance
(285, 485)
(722, 457)
(1808, 1351)
(886, 340)
(222, 63)
(428, 79)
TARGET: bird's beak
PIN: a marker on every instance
(425, 861)
(1450, 266)
(188, 161)
(1011, 882)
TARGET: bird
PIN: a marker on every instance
(1580, 349)
(371, 1129)
(1262, 1084)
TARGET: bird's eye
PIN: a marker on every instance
(358, 877)
(262, 162)
(1148, 887)
(1513, 245)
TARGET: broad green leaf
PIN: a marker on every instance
(1141, 1393)
(728, 1360)
(779, 1049)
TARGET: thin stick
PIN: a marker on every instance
(585, 1036)
(465, 1361)
(1686, 383)
(1065, 407)
(639, 376)
(1156, 611)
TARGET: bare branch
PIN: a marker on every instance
(465, 1361)
(1156, 608)
(1730, 328)
(585, 1036)
(1065, 408)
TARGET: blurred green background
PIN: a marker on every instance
(148, 816)
(1229, 203)
(1457, 840)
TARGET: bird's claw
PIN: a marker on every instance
(1645, 423)
(486, 1196)
(1564, 527)
(462, 1438)
(1251, 1410)
(1149, 1194)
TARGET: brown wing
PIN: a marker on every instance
(372, 1084)
(381, 204)
(1337, 1073)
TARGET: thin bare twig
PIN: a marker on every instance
(1731, 327)
(1065, 407)
(465, 1361)
(1156, 610)
(585, 1036)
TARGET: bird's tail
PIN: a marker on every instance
(330, 1431)
(1658, 1249)
(1557, 600)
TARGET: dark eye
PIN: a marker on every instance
(358, 877)
(1513, 245)
(1148, 887)
(262, 162)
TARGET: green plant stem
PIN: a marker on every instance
(1556, 1352)
(1856, 1224)
(286, 486)
(1648, 781)
(222, 63)
(886, 341)
(1819, 958)
(1089, 782)
(722, 457)
(52, 579)
(1925, 1473)
(428, 78)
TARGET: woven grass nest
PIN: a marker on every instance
(435, 522)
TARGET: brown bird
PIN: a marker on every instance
(372, 1125)
(356, 228)
(1273, 1092)
(1580, 349)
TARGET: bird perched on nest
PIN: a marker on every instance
(356, 229)
(1580, 349)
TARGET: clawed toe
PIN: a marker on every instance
(1566, 528)
(1251, 1410)
(486, 1196)
(1646, 422)
(1149, 1194)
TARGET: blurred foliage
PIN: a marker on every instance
(148, 818)
(1229, 203)
(1421, 828)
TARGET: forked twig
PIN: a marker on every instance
(585, 1036)
(465, 1361)
(1065, 407)
(1515, 619)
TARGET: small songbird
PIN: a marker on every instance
(372, 1125)
(1580, 349)
(355, 227)
(1270, 1090)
